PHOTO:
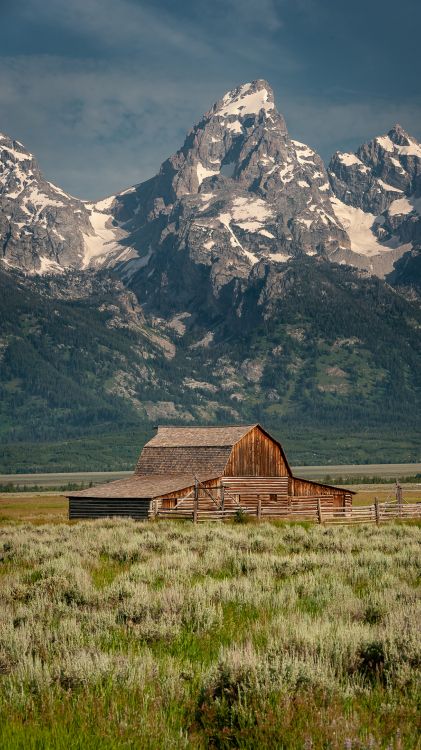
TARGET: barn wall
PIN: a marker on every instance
(249, 489)
(256, 455)
(306, 488)
(100, 507)
(169, 500)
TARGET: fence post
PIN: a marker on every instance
(377, 510)
(259, 507)
(196, 500)
(222, 497)
(319, 511)
(399, 497)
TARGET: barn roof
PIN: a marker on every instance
(174, 437)
(142, 487)
(202, 450)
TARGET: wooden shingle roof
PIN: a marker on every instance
(201, 450)
(142, 487)
(173, 437)
(172, 460)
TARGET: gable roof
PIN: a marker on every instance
(194, 449)
(174, 437)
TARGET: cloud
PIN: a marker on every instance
(126, 26)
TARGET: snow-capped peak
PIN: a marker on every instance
(14, 150)
(398, 142)
(247, 99)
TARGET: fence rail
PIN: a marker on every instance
(317, 510)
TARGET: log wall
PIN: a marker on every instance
(249, 489)
(100, 507)
(306, 488)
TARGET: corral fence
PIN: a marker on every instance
(314, 510)
(218, 504)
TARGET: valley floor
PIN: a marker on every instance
(116, 634)
(40, 507)
(383, 471)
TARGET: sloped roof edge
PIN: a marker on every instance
(142, 487)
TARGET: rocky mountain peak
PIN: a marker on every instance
(238, 191)
(398, 135)
(377, 201)
(247, 99)
(44, 229)
(16, 149)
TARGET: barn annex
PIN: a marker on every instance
(200, 469)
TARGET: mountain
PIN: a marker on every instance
(239, 190)
(45, 230)
(378, 200)
(243, 282)
(323, 356)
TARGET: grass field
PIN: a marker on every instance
(42, 507)
(164, 635)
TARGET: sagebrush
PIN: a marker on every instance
(115, 634)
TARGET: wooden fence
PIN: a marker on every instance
(315, 511)
(219, 503)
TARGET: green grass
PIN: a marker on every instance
(115, 634)
(105, 571)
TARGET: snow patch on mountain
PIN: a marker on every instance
(360, 227)
(387, 187)
(411, 149)
(106, 203)
(103, 246)
(405, 205)
(250, 213)
(246, 100)
(203, 172)
(304, 153)
(350, 159)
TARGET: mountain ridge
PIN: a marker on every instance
(239, 186)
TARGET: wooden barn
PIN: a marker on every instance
(207, 472)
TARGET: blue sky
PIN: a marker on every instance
(102, 91)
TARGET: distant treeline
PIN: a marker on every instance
(45, 487)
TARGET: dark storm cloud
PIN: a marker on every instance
(102, 91)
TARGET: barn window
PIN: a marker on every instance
(169, 502)
(273, 498)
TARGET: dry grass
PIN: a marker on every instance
(366, 493)
(116, 634)
(42, 507)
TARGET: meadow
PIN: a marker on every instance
(116, 634)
